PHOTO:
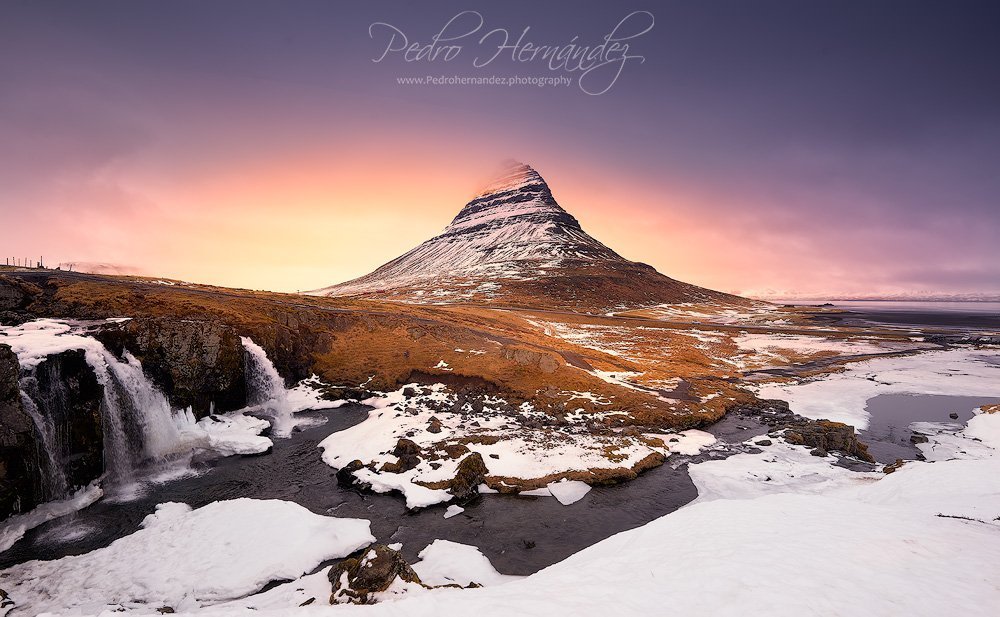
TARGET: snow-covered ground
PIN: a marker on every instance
(507, 450)
(185, 559)
(842, 397)
(776, 532)
(922, 542)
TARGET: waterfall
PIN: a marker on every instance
(266, 389)
(55, 483)
(137, 422)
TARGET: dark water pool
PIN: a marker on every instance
(520, 535)
(888, 434)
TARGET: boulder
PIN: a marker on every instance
(470, 474)
(357, 578)
(345, 475)
(408, 454)
(434, 426)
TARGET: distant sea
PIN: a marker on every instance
(977, 308)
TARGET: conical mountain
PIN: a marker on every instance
(513, 245)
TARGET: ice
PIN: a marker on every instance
(841, 397)
(568, 491)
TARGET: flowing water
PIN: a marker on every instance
(266, 389)
(55, 483)
(520, 535)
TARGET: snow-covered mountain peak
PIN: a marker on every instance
(514, 243)
(517, 191)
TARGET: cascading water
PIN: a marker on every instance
(55, 483)
(137, 422)
(266, 389)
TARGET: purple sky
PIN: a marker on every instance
(821, 147)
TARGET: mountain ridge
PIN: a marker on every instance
(512, 243)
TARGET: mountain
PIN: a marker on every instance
(512, 244)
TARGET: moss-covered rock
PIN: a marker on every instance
(367, 572)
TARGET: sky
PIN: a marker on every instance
(768, 148)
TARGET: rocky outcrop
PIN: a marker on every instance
(15, 296)
(20, 476)
(824, 435)
(370, 571)
(196, 363)
(545, 362)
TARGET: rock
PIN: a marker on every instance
(953, 415)
(408, 454)
(6, 604)
(434, 425)
(345, 475)
(826, 435)
(916, 438)
(456, 450)
(470, 474)
(543, 361)
(894, 466)
(367, 572)
(763, 442)
(196, 363)
(409, 392)
(20, 474)
(818, 452)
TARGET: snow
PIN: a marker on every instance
(36, 340)
(315, 587)
(450, 563)
(880, 547)
(453, 510)
(225, 434)
(519, 453)
(688, 443)
(14, 528)
(986, 428)
(841, 397)
(186, 558)
(773, 344)
(417, 496)
(979, 438)
(780, 468)
(306, 395)
(568, 491)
